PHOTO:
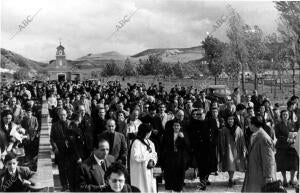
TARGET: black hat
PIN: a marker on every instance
(294, 97)
(240, 107)
(6, 112)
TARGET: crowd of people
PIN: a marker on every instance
(106, 137)
(20, 108)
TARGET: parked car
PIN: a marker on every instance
(219, 93)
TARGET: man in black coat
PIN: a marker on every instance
(213, 126)
(117, 141)
(61, 146)
(86, 125)
(199, 136)
(99, 123)
(156, 123)
(255, 100)
(202, 102)
(239, 116)
(92, 170)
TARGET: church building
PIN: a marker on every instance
(62, 69)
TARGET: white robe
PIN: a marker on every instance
(140, 176)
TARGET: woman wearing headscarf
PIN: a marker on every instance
(143, 158)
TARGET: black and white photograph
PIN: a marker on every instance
(150, 96)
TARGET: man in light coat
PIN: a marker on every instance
(261, 161)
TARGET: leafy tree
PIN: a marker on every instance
(236, 36)
(111, 69)
(213, 53)
(256, 48)
(230, 63)
(140, 67)
(290, 12)
(274, 45)
(128, 69)
(150, 66)
(167, 69)
(22, 74)
(290, 18)
(177, 69)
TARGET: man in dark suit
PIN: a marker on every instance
(116, 140)
(157, 130)
(87, 128)
(239, 116)
(92, 170)
(202, 102)
(214, 124)
(255, 100)
(99, 122)
(61, 147)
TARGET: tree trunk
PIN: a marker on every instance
(215, 80)
(255, 81)
(275, 88)
(294, 79)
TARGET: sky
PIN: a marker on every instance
(93, 26)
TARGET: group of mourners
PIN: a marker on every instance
(111, 138)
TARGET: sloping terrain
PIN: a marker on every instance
(13, 61)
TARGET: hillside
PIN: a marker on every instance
(13, 61)
(103, 56)
(172, 55)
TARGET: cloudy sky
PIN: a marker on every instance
(88, 26)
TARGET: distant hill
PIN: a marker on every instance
(172, 55)
(99, 60)
(187, 56)
(168, 51)
(13, 62)
(104, 56)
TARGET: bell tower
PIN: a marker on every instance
(60, 56)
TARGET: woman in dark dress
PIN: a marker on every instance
(174, 158)
(199, 140)
(286, 155)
